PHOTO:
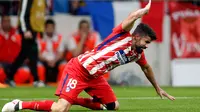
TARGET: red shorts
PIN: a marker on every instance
(75, 79)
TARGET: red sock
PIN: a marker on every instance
(38, 105)
(88, 103)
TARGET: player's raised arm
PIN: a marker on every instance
(127, 24)
(150, 76)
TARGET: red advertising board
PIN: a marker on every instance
(185, 30)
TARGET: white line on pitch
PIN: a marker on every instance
(119, 98)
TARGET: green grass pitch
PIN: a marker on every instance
(132, 99)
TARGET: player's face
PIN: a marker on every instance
(50, 28)
(142, 42)
(6, 23)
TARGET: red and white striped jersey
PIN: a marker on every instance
(115, 50)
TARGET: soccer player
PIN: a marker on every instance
(85, 71)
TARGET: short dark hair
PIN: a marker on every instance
(83, 21)
(144, 30)
(49, 21)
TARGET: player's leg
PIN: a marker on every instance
(68, 89)
(103, 96)
(61, 105)
(104, 93)
(89, 103)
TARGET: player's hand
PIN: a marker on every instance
(163, 94)
(147, 7)
(28, 35)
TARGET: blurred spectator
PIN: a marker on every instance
(31, 22)
(9, 41)
(51, 50)
(9, 44)
(82, 40)
(78, 7)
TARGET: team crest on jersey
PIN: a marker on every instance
(121, 56)
(68, 89)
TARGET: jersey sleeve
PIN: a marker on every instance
(118, 28)
(142, 61)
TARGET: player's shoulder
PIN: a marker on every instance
(119, 28)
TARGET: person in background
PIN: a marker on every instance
(82, 40)
(9, 42)
(31, 22)
(51, 50)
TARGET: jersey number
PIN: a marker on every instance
(72, 83)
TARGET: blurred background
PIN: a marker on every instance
(174, 57)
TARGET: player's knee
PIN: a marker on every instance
(60, 106)
(113, 106)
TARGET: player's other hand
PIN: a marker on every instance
(163, 94)
(28, 35)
